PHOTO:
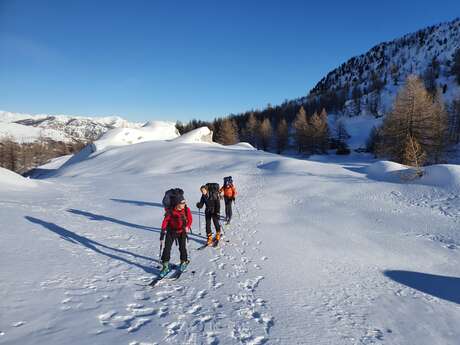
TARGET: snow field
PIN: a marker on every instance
(309, 258)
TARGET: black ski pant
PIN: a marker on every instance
(215, 219)
(171, 236)
(228, 208)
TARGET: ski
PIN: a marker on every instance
(202, 247)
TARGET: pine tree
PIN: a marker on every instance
(456, 65)
(265, 134)
(341, 136)
(454, 121)
(282, 135)
(356, 95)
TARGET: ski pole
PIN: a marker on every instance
(199, 221)
(237, 210)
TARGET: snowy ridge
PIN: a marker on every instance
(410, 54)
(153, 130)
(318, 252)
(28, 128)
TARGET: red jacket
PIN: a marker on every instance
(177, 220)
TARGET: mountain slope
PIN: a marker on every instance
(65, 128)
(372, 79)
(319, 252)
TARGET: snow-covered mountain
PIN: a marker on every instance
(368, 83)
(28, 128)
(332, 250)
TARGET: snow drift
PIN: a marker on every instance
(154, 130)
(441, 175)
(11, 181)
(198, 135)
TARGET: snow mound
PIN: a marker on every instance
(199, 135)
(243, 146)
(153, 130)
(442, 175)
(386, 171)
(10, 180)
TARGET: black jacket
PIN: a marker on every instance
(212, 206)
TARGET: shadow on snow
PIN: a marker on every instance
(91, 216)
(94, 245)
(156, 204)
(444, 287)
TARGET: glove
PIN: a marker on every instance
(198, 205)
(162, 236)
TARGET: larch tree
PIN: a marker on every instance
(282, 135)
(414, 114)
(413, 154)
(301, 128)
(265, 134)
(228, 133)
(251, 129)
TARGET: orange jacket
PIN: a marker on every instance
(229, 191)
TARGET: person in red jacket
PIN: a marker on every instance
(176, 223)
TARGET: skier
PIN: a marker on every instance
(210, 198)
(228, 191)
(176, 223)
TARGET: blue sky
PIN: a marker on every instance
(186, 59)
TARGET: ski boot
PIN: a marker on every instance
(209, 242)
(165, 270)
(183, 265)
(217, 238)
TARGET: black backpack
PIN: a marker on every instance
(172, 198)
(213, 205)
(228, 181)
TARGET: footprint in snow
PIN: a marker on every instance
(195, 309)
(251, 284)
(138, 323)
(104, 318)
(163, 311)
(141, 296)
(173, 328)
(18, 324)
(211, 338)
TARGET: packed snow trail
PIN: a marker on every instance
(320, 254)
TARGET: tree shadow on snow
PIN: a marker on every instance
(93, 216)
(138, 203)
(157, 204)
(447, 288)
(94, 245)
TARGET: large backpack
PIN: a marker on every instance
(228, 181)
(172, 198)
(213, 205)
